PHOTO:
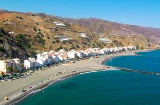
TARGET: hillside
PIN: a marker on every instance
(42, 31)
(28, 33)
(103, 26)
(11, 47)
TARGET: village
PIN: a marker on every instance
(11, 69)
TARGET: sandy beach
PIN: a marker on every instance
(11, 89)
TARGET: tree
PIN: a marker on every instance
(15, 70)
(9, 69)
(21, 66)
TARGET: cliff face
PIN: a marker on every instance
(23, 34)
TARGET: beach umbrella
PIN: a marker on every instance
(30, 86)
(22, 90)
(6, 98)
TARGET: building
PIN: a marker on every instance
(105, 40)
(59, 24)
(83, 35)
(30, 63)
(7, 66)
(71, 54)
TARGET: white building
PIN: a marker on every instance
(55, 58)
(59, 24)
(83, 35)
(80, 53)
(71, 54)
(18, 64)
(105, 40)
(30, 63)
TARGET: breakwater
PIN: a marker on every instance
(138, 71)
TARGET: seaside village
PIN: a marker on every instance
(11, 69)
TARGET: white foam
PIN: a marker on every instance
(94, 71)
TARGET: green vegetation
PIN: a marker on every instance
(39, 29)
(77, 46)
(32, 53)
(115, 41)
(9, 69)
(35, 29)
(15, 70)
(1, 40)
(1, 35)
(19, 17)
(22, 41)
(2, 49)
(41, 40)
(57, 41)
(53, 42)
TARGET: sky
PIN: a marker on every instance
(134, 12)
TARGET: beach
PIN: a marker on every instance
(40, 79)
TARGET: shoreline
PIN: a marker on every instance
(89, 65)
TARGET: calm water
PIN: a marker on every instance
(107, 87)
(146, 61)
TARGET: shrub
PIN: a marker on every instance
(34, 29)
(2, 49)
(57, 41)
(39, 29)
(1, 35)
(41, 40)
(22, 41)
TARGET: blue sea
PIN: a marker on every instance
(107, 87)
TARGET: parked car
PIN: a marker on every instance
(1, 77)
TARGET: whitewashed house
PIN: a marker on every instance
(102, 51)
(111, 50)
(62, 51)
(131, 47)
(30, 63)
(40, 62)
(18, 64)
(126, 48)
(107, 50)
(88, 53)
(55, 58)
(83, 35)
(60, 57)
(59, 24)
(79, 54)
(115, 49)
(71, 54)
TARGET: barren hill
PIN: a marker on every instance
(40, 32)
(103, 26)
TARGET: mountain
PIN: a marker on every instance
(103, 26)
(30, 33)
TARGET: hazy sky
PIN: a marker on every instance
(135, 12)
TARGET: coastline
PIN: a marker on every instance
(55, 74)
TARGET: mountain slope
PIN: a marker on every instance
(102, 26)
(28, 33)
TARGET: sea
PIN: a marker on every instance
(114, 87)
